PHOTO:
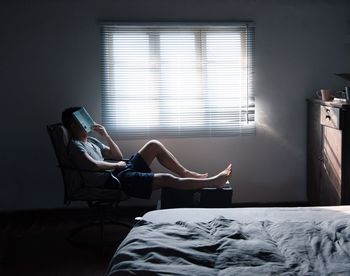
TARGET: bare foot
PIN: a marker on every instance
(221, 178)
(190, 174)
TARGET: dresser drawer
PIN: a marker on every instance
(330, 116)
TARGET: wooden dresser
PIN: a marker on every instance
(328, 153)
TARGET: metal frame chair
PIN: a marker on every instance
(101, 199)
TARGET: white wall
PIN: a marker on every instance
(50, 60)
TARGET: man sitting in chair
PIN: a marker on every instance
(134, 175)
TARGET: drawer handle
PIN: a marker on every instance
(328, 117)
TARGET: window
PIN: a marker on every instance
(177, 80)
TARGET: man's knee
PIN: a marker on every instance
(154, 145)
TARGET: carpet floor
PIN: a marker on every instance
(39, 246)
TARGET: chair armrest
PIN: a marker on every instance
(110, 159)
(91, 171)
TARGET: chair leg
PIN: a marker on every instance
(101, 224)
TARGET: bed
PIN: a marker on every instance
(237, 241)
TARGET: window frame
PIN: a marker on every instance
(166, 131)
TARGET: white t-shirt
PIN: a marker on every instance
(98, 151)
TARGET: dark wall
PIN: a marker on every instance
(50, 60)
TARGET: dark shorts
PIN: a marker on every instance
(136, 180)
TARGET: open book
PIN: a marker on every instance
(84, 119)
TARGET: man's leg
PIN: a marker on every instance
(155, 149)
(162, 180)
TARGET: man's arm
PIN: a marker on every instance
(96, 165)
(114, 151)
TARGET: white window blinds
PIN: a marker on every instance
(177, 80)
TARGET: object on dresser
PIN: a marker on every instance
(342, 96)
(346, 91)
(339, 100)
(324, 94)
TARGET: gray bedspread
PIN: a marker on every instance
(227, 247)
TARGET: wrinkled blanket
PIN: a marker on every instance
(227, 247)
